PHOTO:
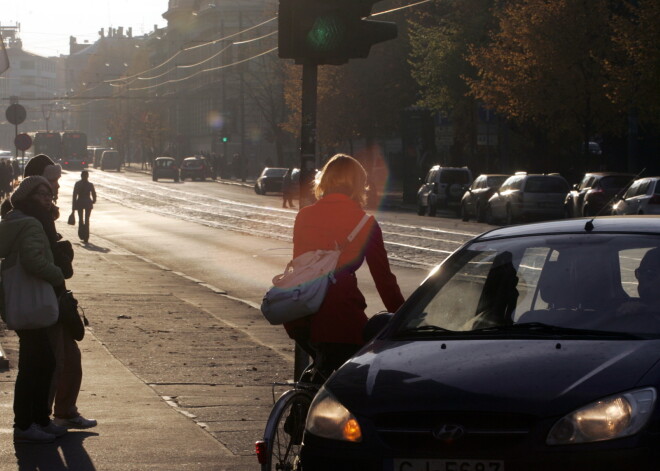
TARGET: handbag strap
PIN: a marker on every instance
(358, 228)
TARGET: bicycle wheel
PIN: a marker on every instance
(284, 431)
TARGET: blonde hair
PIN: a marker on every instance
(343, 174)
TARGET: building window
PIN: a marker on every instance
(29, 65)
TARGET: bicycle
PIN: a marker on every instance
(280, 448)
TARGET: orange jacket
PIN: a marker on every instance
(342, 315)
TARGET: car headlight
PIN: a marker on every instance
(328, 418)
(609, 418)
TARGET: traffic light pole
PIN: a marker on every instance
(307, 167)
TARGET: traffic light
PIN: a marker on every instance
(224, 138)
(329, 31)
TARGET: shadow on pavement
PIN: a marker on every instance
(94, 248)
(73, 455)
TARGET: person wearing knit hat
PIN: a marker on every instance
(27, 187)
(43, 165)
(22, 236)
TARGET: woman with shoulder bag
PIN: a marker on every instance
(23, 240)
(334, 333)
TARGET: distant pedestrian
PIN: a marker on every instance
(23, 236)
(84, 198)
(287, 188)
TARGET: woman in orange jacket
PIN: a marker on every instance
(335, 331)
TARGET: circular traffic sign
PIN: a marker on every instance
(23, 141)
(15, 114)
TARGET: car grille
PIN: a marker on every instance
(414, 431)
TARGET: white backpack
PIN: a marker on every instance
(300, 290)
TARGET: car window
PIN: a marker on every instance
(632, 190)
(657, 188)
(275, 172)
(586, 182)
(576, 281)
(546, 185)
(452, 176)
(430, 176)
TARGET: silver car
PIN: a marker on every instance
(525, 197)
(643, 197)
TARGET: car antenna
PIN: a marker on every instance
(621, 192)
(589, 226)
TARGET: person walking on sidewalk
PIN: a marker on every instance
(22, 235)
(84, 198)
(287, 188)
(335, 331)
(68, 371)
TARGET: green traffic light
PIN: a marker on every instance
(225, 139)
(326, 34)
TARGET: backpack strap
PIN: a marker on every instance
(358, 228)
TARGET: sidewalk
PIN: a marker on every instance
(160, 402)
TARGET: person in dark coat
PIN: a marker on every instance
(84, 198)
(335, 331)
(68, 372)
(287, 188)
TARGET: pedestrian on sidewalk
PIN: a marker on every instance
(335, 331)
(287, 188)
(23, 235)
(68, 372)
(84, 198)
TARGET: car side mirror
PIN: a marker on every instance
(375, 324)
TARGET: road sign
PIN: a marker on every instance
(15, 114)
(23, 142)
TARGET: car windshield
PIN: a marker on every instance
(496, 182)
(546, 185)
(274, 172)
(454, 176)
(614, 182)
(564, 283)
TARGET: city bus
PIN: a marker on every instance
(49, 143)
(74, 150)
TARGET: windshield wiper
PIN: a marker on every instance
(422, 329)
(541, 328)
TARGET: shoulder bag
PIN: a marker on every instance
(300, 290)
(30, 302)
(70, 316)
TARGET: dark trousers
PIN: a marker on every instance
(36, 364)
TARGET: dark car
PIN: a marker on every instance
(165, 167)
(475, 199)
(270, 180)
(592, 196)
(533, 347)
(195, 168)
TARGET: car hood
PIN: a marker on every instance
(525, 376)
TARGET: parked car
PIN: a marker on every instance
(165, 167)
(195, 168)
(524, 196)
(512, 355)
(98, 153)
(475, 199)
(595, 192)
(643, 197)
(111, 160)
(443, 187)
(270, 180)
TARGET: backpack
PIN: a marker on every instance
(300, 290)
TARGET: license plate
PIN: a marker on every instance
(448, 465)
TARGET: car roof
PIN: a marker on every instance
(164, 158)
(607, 174)
(637, 224)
